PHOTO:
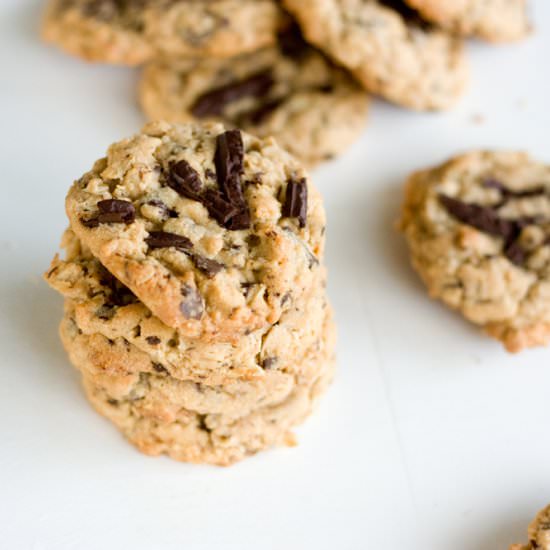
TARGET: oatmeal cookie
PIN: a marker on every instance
(218, 233)
(387, 48)
(130, 32)
(478, 229)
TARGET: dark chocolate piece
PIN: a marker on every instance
(184, 179)
(209, 267)
(295, 205)
(163, 239)
(112, 211)
(213, 103)
(229, 165)
(508, 193)
(153, 340)
(484, 218)
(218, 207)
(515, 253)
(258, 115)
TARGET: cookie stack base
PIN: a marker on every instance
(154, 411)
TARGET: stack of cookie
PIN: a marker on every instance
(245, 63)
(195, 302)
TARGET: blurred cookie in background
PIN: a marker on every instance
(130, 32)
(291, 92)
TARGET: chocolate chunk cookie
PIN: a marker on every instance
(155, 427)
(106, 313)
(218, 233)
(195, 421)
(491, 20)
(388, 48)
(130, 32)
(291, 92)
(478, 228)
(539, 533)
(126, 372)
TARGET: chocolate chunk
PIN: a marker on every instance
(213, 103)
(226, 205)
(484, 218)
(166, 212)
(515, 253)
(112, 402)
(228, 159)
(159, 368)
(184, 179)
(209, 267)
(163, 239)
(295, 205)
(191, 306)
(112, 211)
(508, 193)
(90, 222)
(218, 207)
(241, 220)
(269, 362)
(258, 115)
(116, 211)
(153, 340)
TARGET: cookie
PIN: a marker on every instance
(130, 32)
(125, 372)
(191, 437)
(291, 92)
(491, 20)
(218, 233)
(98, 303)
(539, 533)
(478, 229)
(148, 410)
(392, 53)
(186, 435)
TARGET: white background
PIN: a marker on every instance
(431, 438)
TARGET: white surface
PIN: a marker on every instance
(432, 436)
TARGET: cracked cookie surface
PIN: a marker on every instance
(491, 20)
(478, 230)
(390, 52)
(216, 232)
(291, 92)
(131, 32)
